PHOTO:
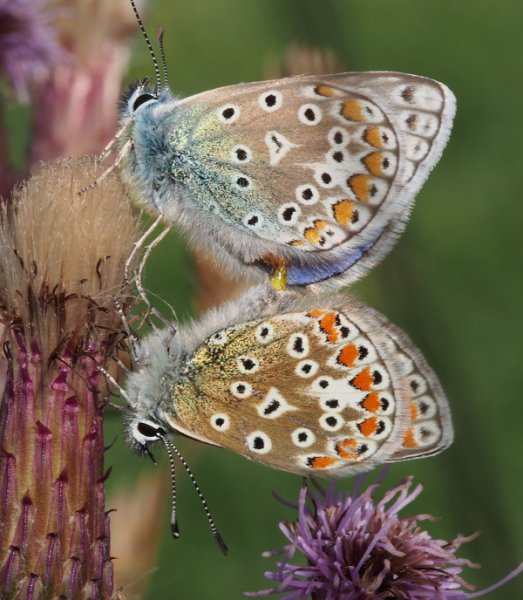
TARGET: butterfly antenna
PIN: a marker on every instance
(162, 56)
(214, 530)
(175, 530)
(149, 47)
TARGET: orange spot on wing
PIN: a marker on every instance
(348, 355)
(325, 90)
(297, 243)
(312, 235)
(371, 402)
(352, 111)
(320, 224)
(363, 380)
(317, 312)
(343, 212)
(408, 440)
(321, 462)
(327, 325)
(360, 185)
(373, 163)
(369, 426)
(413, 411)
(328, 322)
(372, 136)
(348, 449)
(333, 336)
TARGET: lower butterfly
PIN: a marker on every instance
(310, 386)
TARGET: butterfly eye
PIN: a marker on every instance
(148, 430)
(142, 99)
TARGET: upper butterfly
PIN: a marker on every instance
(313, 173)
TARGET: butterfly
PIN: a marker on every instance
(308, 385)
(308, 178)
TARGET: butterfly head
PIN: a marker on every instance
(140, 97)
(149, 388)
(144, 431)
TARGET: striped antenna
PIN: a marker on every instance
(175, 530)
(149, 46)
(162, 55)
(214, 531)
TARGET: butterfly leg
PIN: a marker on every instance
(119, 157)
(150, 310)
(109, 148)
(134, 343)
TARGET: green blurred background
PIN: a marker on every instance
(453, 282)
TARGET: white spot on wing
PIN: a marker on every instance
(219, 338)
(307, 194)
(228, 113)
(247, 364)
(424, 96)
(253, 220)
(241, 154)
(426, 433)
(302, 437)
(426, 406)
(306, 368)
(331, 421)
(270, 100)
(338, 137)
(298, 345)
(417, 384)
(424, 124)
(273, 405)
(331, 403)
(309, 114)
(264, 333)
(241, 389)
(259, 442)
(416, 148)
(278, 146)
(289, 213)
(220, 422)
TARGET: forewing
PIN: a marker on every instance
(321, 391)
(313, 162)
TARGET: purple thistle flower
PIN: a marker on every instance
(358, 548)
(28, 44)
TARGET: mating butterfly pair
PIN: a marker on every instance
(309, 179)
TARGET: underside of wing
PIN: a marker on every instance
(325, 166)
(429, 428)
(307, 392)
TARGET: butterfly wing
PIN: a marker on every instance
(322, 391)
(327, 166)
(430, 428)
